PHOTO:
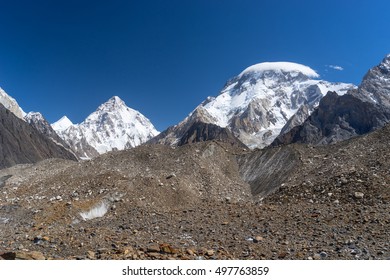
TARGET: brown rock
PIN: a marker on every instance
(258, 238)
(167, 249)
(91, 255)
(34, 255)
(190, 252)
(45, 238)
(154, 255)
(153, 248)
(210, 253)
(282, 255)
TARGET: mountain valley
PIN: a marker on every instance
(213, 186)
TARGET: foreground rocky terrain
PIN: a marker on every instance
(205, 200)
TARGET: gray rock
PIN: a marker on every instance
(358, 195)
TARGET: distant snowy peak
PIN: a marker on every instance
(113, 126)
(62, 124)
(11, 104)
(280, 67)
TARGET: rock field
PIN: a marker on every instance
(203, 201)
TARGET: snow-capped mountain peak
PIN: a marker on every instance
(11, 104)
(62, 124)
(280, 67)
(34, 117)
(256, 104)
(113, 103)
(385, 65)
(113, 126)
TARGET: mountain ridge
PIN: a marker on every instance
(22, 143)
(338, 118)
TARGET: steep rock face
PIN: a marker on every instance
(11, 104)
(338, 118)
(113, 126)
(173, 134)
(257, 103)
(21, 143)
(37, 121)
(375, 87)
(200, 132)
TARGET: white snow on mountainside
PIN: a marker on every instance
(62, 124)
(256, 104)
(281, 67)
(113, 126)
(11, 104)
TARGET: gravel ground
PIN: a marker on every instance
(197, 202)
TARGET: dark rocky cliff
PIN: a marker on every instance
(21, 143)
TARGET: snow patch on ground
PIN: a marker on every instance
(4, 220)
(97, 211)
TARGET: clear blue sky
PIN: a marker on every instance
(164, 57)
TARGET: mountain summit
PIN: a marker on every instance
(62, 124)
(113, 126)
(256, 104)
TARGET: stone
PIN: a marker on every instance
(91, 255)
(103, 250)
(210, 252)
(343, 180)
(33, 255)
(172, 175)
(317, 256)
(154, 255)
(258, 239)
(153, 248)
(282, 255)
(359, 195)
(45, 238)
(323, 255)
(190, 252)
(167, 249)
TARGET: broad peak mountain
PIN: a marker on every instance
(256, 104)
(113, 126)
